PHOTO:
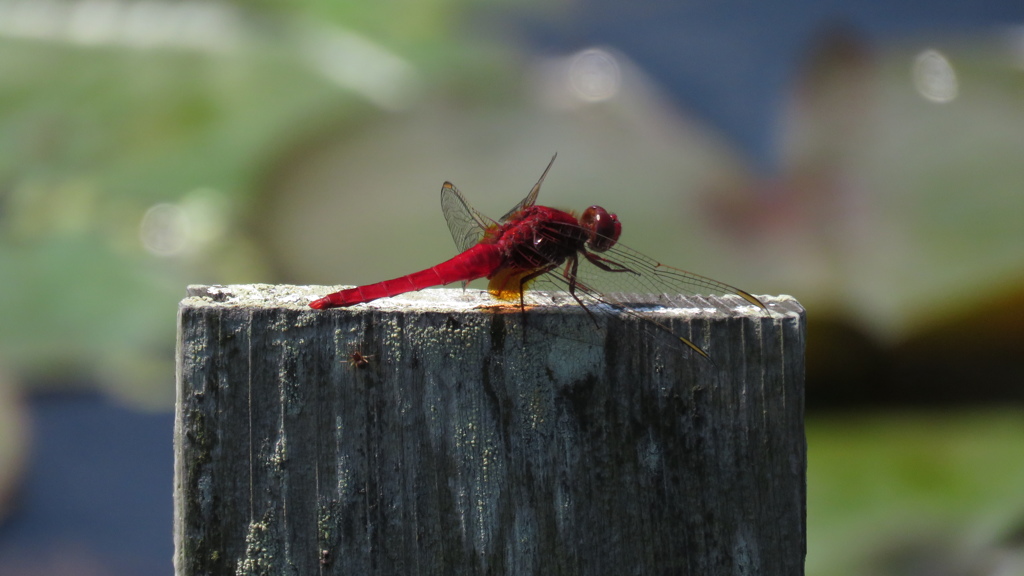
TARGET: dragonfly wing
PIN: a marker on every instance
(466, 224)
(634, 273)
(531, 198)
(625, 277)
(601, 304)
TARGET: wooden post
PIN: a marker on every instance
(453, 443)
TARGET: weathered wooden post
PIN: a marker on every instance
(457, 444)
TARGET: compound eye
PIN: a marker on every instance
(603, 227)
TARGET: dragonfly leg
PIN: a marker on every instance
(523, 281)
(571, 268)
(606, 264)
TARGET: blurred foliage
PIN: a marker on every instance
(893, 493)
(95, 131)
(13, 442)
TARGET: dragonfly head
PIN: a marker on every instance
(603, 227)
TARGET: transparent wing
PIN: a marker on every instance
(633, 278)
(629, 282)
(635, 274)
(531, 198)
(466, 224)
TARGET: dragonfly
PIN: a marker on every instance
(535, 245)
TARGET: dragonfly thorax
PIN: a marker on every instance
(540, 237)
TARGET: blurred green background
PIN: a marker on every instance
(877, 177)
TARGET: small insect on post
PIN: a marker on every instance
(586, 445)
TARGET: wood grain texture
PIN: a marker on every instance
(467, 446)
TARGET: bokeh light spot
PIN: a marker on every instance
(594, 75)
(934, 77)
(164, 230)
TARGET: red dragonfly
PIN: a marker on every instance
(553, 247)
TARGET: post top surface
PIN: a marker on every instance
(288, 296)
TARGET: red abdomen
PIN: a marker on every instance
(477, 262)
